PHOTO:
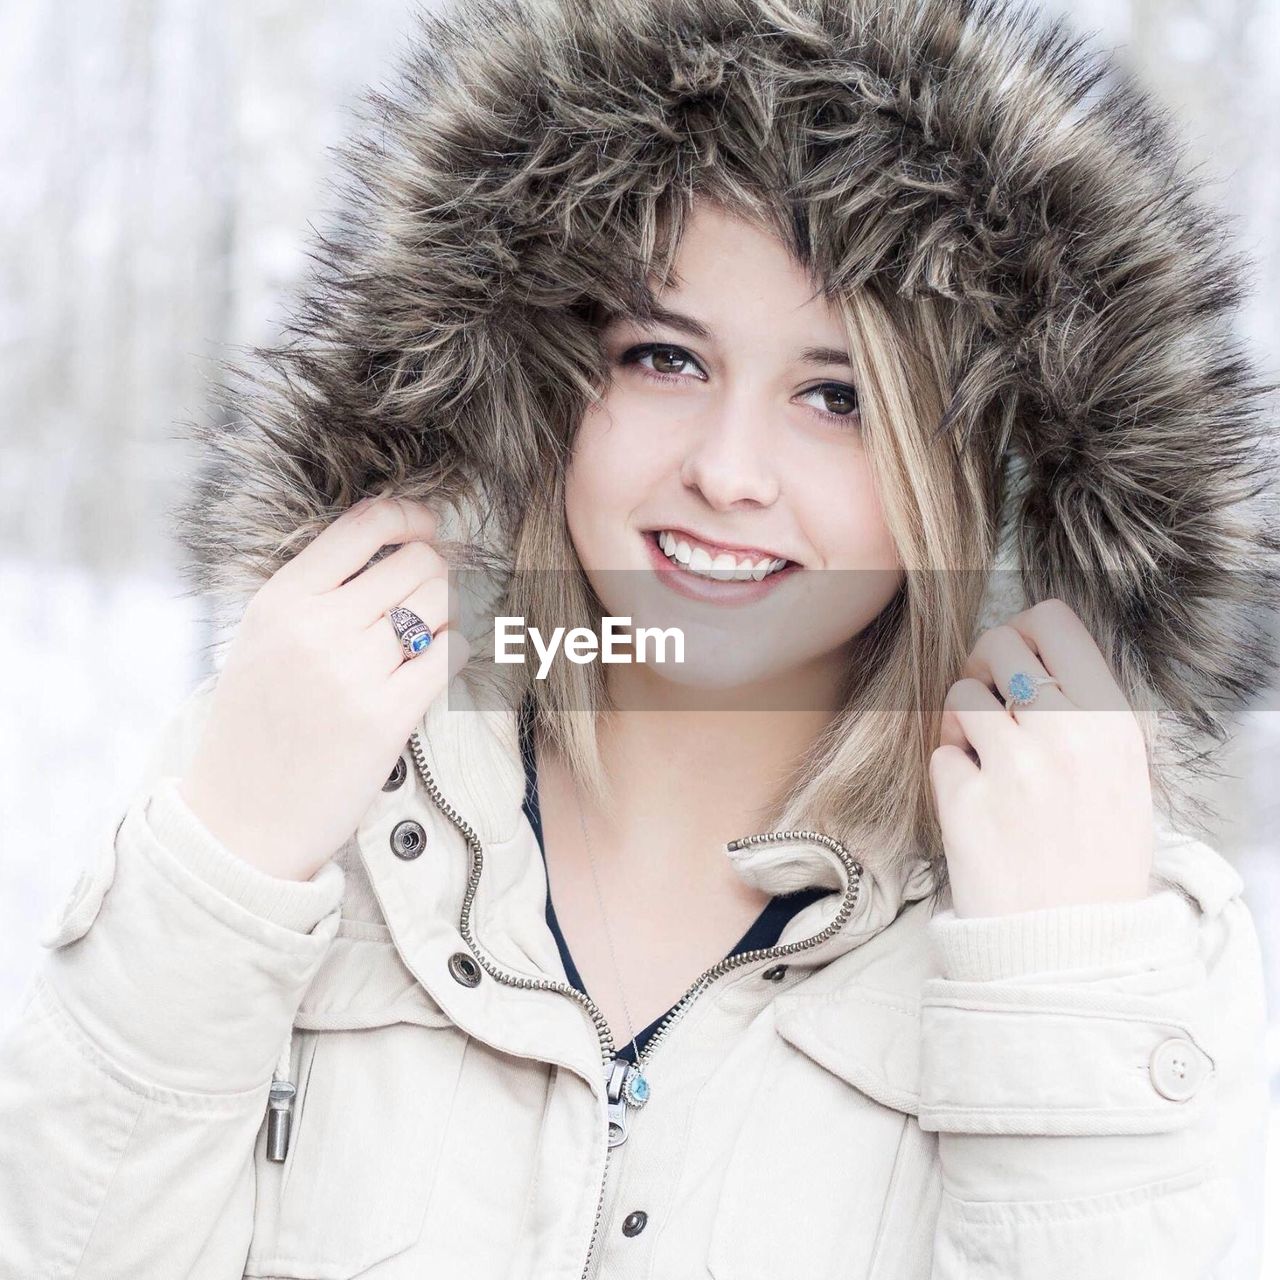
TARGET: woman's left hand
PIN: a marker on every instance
(1056, 809)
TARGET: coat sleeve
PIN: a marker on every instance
(1096, 1077)
(135, 1077)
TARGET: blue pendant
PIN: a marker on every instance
(635, 1088)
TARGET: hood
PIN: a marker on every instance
(978, 152)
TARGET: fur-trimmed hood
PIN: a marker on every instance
(975, 151)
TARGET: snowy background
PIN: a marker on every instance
(162, 163)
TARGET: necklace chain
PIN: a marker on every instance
(604, 920)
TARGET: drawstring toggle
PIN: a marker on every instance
(279, 1118)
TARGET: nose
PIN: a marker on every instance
(731, 457)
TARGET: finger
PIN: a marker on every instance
(951, 734)
(1063, 644)
(418, 682)
(999, 655)
(430, 601)
(345, 546)
(986, 726)
(949, 769)
(392, 580)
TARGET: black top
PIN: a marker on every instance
(764, 931)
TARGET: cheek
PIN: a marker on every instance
(616, 460)
(845, 519)
(603, 485)
(593, 474)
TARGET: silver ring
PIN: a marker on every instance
(1024, 688)
(414, 634)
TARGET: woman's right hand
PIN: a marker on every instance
(315, 699)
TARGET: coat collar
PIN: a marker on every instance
(474, 754)
(864, 976)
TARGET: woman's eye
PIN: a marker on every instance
(667, 360)
(839, 401)
(670, 364)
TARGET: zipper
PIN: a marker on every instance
(615, 1080)
(721, 967)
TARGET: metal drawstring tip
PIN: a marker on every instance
(279, 1119)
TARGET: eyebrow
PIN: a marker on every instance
(696, 329)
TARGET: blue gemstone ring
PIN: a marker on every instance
(1024, 689)
(414, 634)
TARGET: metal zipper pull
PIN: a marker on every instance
(279, 1119)
(617, 1106)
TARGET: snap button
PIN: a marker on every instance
(633, 1223)
(408, 839)
(1178, 1069)
(464, 969)
(775, 974)
(395, 779)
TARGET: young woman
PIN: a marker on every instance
(885, 352)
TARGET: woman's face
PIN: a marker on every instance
(729, 442)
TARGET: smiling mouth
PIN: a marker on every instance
(708, 562)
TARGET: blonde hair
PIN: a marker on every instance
(938, 497)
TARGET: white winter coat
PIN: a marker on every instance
(1065, 1093)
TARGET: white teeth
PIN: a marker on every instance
(725, 566)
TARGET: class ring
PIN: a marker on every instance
(414, 634)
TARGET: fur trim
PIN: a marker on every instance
(974, 150)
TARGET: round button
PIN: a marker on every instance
(633, 1223)
(395, 779)
(1178, 1069)
(775, 974)
(408, 839)
(463, 967)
